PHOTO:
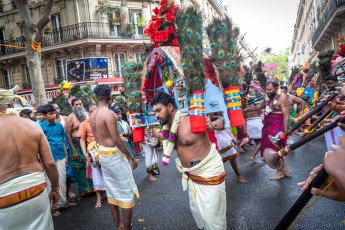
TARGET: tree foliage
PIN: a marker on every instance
(276, 58)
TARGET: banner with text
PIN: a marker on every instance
(87, 69)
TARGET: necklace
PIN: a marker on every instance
(169, 138)
(270, 106)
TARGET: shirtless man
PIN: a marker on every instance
(76, 155)
(276, 119)
(25, 157)
(199, 161)
(115, 159)
(292, 101)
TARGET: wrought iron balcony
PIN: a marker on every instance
(85, 30)
(326, 15)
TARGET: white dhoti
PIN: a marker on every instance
(151, 155)
(97, 178)
(332, 137)
(33, 213)
(226, 147)
(117, 173)
(254, 127)
(206, 189)
(61, 167)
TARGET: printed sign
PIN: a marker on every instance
(87, 69)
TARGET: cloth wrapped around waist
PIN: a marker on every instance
(210, 171)
(117, 173)
(22, 188)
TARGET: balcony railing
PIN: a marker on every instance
(85, 30)
(327, 14)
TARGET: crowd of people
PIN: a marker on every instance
(93, 148)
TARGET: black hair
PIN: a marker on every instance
(116, 110)
(102, 92)
(25, 113)
(283, 87)
(163, 98)
(273, 83)
(88, 106)
(74, 100)
(39, 109)
(48, 108)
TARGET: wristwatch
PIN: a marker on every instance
(214, 125)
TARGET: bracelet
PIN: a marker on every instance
(57, 189)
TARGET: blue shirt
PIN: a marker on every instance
(55, 134)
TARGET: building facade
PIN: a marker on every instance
(318, 26)
(80, 33)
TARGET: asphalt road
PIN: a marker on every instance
(260, 204)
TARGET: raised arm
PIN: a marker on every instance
(256, 107)
(300, 104)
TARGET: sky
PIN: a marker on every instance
(265, 23)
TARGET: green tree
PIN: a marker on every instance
(276, 58)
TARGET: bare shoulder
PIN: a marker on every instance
(70, 117)
(283, 97)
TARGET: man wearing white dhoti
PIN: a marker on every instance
(115, 159)
(23, 187)
(198, 160)
(151, 155)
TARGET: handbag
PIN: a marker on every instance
(93, 149)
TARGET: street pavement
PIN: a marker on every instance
(259, 204)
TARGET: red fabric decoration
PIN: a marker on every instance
(212, 137)
(138, 135)
(197, 124)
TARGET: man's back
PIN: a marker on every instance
(104, 126)
(19, 148)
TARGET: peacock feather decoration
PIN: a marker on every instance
(131, 100)
(189, 23)
(85, 94)
(260, 75)
(62, 101)
(223, 42)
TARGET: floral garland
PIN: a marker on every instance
(169, 138)
(270, 107)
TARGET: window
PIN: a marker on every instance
(7, 79)
(2, 39)
(119, 59)
(60, 71)
(139, 57)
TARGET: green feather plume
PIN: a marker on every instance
(85, 94)
(65, 107)
(223, 42)
(189, 23)
(131, 96)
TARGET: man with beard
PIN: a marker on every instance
(25, 159)
(276, 119)
(76, 155)
(115, 159)
(199, 161)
